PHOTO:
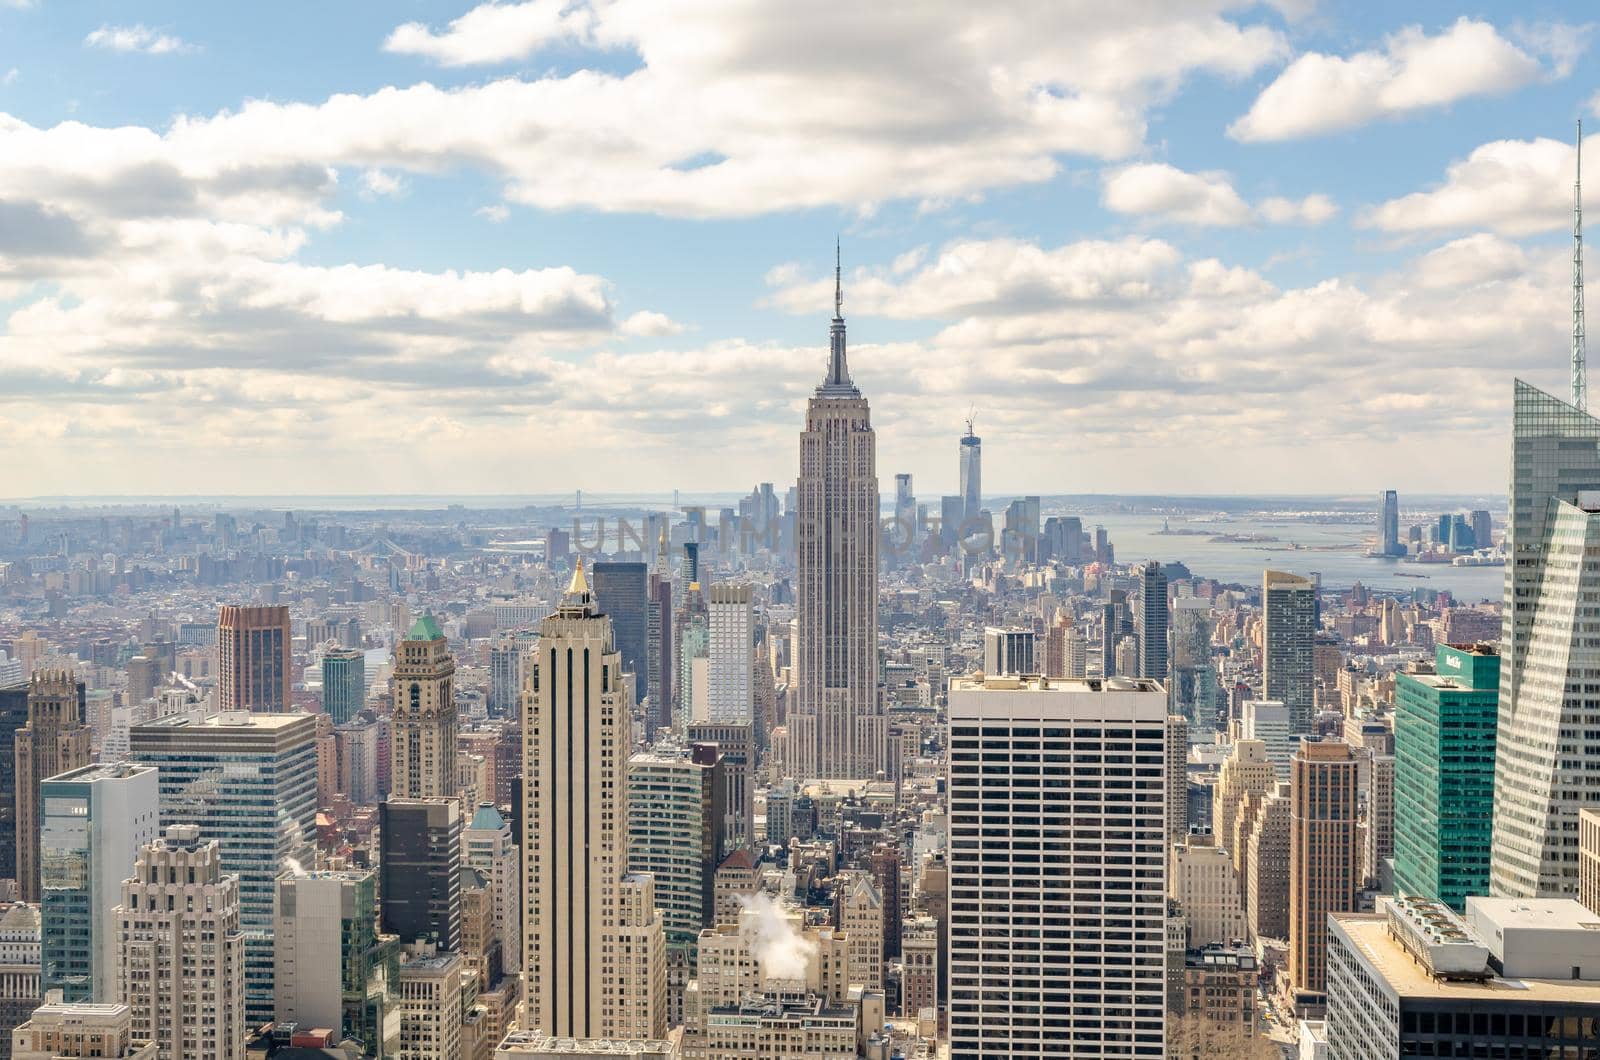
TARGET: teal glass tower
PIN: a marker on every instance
(1444, 746)
(344, 684)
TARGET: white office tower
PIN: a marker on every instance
(1268, 720)
(181, 950)
(837, 728)
(730, 656)
(1061, 954)
(1008, 651)
(1549, 714)
(576, 739)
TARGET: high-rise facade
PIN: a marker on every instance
(622, 592)
(1150, 619)
(1009, 651)
(94, 822)
(334, 970)
(1177, 754)
(249, 781)
(54, 741)
(1444, 746)
(1389, 524)
(344, 683)
(673, 836)
(1322, 855)
(489, 846)
(971, 478)
(658, 632)
(181, 953)
(419, 870)
(1194, 675)
(736, 748)
(731, 642)
(505, 675)
(579, 911)
(1289, 605)
(13, 718)
(423, 763)
(837, 727)
(1548, 699)
(1065, 956)
(254, 658)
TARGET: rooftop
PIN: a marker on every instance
(1408, 978)
(977, 682)
(534, 1042)
(425, 628)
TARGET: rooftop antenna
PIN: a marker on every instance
(838, 284)
(972, 415)
(1580, 385)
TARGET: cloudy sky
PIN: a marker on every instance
(1158, 245)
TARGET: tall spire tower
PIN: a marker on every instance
(1580, 384)
(837, 728)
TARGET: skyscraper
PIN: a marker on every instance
(424, 756)
(585, 917)
(1547, 701)
(971, 477)
(253, 658)
(419, 870)
(675, 835)
(13, 717)
(249, 781)
(621, 591)
(344, 684)
(1444, 733)
(1322, 856)
(1289, 604)
(54, 741)
(181, 952)
(904, 534)
(658, 632)
(1065, 956)
(334, 970)
(505, 674)
(1150, 619)
(1194, 675)
(95, 820)
(730, 692)
(837, 728)
(1389, 524)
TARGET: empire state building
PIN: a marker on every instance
(838, 728)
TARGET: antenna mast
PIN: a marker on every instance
(1580, 385)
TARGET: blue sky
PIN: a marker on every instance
(1178, 246)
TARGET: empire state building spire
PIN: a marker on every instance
(838, 383)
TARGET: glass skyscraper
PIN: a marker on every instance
(249, 781)
(622, 591)
(1444, 731)
(1549, 711)
(344, 684)
(93, 822)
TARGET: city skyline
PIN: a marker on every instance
(1152, 272)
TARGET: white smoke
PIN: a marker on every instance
(294, 866)
(780, 951)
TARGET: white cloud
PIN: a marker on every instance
(495, 33)
(1155, 188)
(378, 183)
(11, 76)
(1321, 93)
(495, 213)
(135, 38)
(1514, 187)
(1311, 210)
(650, 324)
